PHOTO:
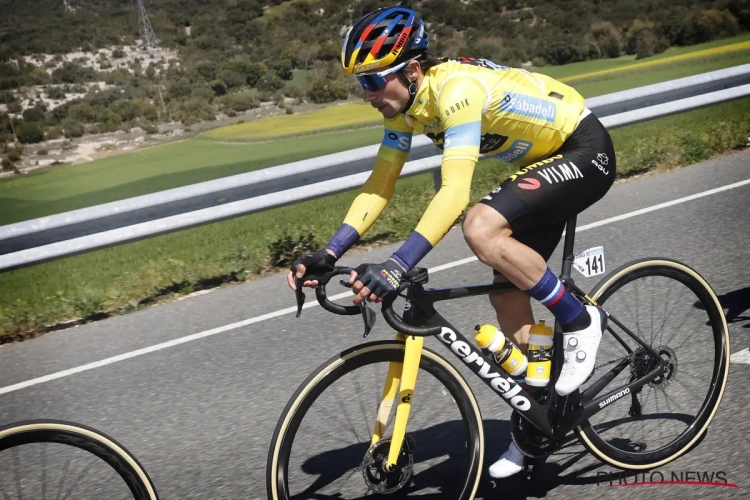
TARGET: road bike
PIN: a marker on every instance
(56, 459)
(371, 390)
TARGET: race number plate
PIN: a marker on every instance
(590, 262)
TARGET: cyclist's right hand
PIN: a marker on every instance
(312, 263)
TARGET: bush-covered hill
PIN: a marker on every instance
(228, 55)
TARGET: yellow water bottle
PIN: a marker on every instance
(539, 355)
(503, 351)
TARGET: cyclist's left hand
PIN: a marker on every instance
(374, 281)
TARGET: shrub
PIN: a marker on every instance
(287, 249)
(35, 114)
(72, 128)
(55, 93)
(14, 155)
(327, 91)
(29, 132)
(54, 133)
(270, 82)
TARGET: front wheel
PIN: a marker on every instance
(673, 309)
(58, 459)
(321, 446)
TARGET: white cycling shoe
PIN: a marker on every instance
(580, 353)
(510, 463)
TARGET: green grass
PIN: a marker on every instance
(344, 115)
(615, 83)
(299, 77)
(117, 279)
(156, 169)
(580, 68)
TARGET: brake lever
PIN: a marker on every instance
(299, 294)
(368, 315)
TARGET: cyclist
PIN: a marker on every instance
(466, 107)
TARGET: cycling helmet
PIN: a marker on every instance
(386, 38)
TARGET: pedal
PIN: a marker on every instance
(529, 466)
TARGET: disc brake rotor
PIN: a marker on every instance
(377, 477)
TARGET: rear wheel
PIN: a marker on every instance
(673, 309)
(321, 446)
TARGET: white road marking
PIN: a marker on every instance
(742, 356)
(314, 303)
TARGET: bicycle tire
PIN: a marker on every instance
(664, 267)
(84, 438)
(347, 361)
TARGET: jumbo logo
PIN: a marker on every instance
(400, 42)
(506, 387)
(535, 165)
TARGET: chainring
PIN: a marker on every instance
(530, 440)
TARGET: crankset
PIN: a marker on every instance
(531, 441)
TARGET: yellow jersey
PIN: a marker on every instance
(466, 107)
(473, 106)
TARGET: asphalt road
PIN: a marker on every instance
(197, 385)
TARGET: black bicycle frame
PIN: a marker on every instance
(551, 418)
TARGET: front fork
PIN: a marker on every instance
(404, 372)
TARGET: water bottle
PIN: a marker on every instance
(502, 350)
(539, 355)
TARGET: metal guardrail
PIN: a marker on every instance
(70, 233)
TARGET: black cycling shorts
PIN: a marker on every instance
(538, 199)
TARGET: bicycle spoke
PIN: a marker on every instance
(77, 481)
(5, 493)
(330, 417)
(62, 479)
(654, 303)
(43, 459)
(16, 469)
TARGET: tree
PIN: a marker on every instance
(282, 67)
(562, 53)
(29, 132)
(73, 73)
(15, 107)
(35, 114)
(72, 128)
(714, 23)
(607, 38)
(232, 79)
(180, 88)
(325, 90)
(219, 87)
(270, 82)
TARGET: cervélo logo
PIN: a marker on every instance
(506, 387)
(527, 105)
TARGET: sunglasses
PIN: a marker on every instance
(376, 81)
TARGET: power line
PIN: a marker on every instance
(148, 37)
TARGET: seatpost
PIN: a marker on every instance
(557, 341)
(570, 235)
